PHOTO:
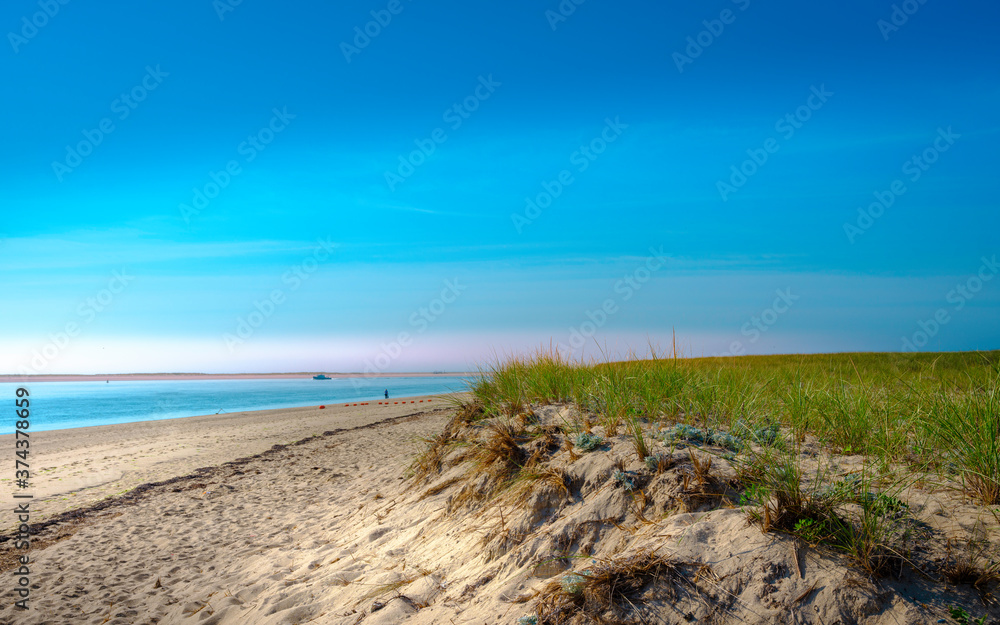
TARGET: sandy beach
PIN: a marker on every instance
(78, 467)
(87, 478)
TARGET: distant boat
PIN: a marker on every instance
(321, 377)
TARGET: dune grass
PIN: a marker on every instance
(929, 410)
(900, 418)
(602, 593)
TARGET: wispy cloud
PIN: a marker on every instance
(90, 248)
(413, 209)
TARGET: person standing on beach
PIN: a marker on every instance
(387, 393)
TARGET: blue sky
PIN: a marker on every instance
(369, 193)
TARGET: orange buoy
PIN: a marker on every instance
(322, 407)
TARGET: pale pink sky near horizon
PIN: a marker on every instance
(455, 352)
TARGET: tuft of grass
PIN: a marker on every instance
(698, 487)
(588, 597)
(968, 428)
(774, 488)
(971, 565)
(384, 589)
(608, 394)
(638, 438)
(552, 477)
(500, 452)
(779, 499)
(431, 460)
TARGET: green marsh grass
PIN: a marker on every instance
(967, 426)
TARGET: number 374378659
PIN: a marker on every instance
(21, 437)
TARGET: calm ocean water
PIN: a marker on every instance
(60, 405)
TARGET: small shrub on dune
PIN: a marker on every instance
(726, 441)
(658, 464)
(768, 435)
(883, 505)
(689, 434)
(962, 617)
(572, 583)
(588, 442)
(684, 432)
(623, 479)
